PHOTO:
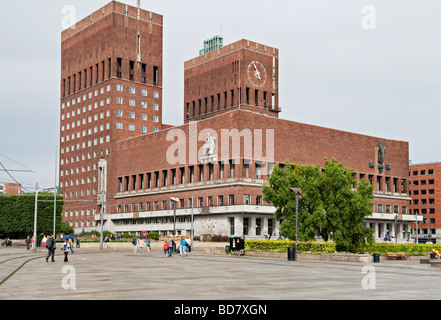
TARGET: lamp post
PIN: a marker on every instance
(297, 192)
(34, 242)
(175, 200)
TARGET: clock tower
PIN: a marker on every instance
(241, 75)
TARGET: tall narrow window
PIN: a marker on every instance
(91, 76)
(103, 70)
(132, 70)
(247, 96)
(264, 99)
(119, 68)
(256, 98)
(109, 65)
(97, 73)
(79, 81)
(155, 76)
(232, 98)
(143, 73)
(225, 99)
(74, 83)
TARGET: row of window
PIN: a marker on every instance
(422, 182)
(209, 201)
(423, 201)
(170, 177)
(388, 209)
(102, 71)
(424, 211)
(421, 172)
(119, 88)
(225, 100)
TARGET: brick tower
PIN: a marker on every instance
(111, 89)
(242, 75)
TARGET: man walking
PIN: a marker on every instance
(28, 242)
(51, 246)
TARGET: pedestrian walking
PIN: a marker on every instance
(107, 241)
(51, 247)
(71, 245)
(28, 242)
(147, 245)
(43, 242)
(66, 247)
(184, 249)
(141, 244)
(170, 243)
(165, 247)
(134, 242)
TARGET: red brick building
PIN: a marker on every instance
(214, 165)
(111, 89)
(425, 191)
(10, 188)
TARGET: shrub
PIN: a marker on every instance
(283, 245)
(330, 247)
(153, 235)
(219, 238)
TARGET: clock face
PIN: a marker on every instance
(257, 73)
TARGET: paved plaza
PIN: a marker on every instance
(115, 274)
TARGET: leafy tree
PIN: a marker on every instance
(331, 205)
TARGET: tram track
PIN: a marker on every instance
(16, 269)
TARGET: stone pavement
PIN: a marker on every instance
(120, 274)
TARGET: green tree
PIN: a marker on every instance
(331, 205)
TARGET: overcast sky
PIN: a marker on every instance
(335, 73)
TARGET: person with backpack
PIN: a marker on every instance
(66, 247)
(134, 242)
(184, 247)
(51, 247)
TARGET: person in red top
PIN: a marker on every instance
(165, 248)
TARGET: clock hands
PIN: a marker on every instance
(256, 72)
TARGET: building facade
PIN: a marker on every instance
(111, 89)
(205, 175)
(10, 188)
(425, 192)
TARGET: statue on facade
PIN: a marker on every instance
(381, 152)
(209, 146)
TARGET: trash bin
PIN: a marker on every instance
(376, 257)
(432, 255)
(227, 249)
(291, 253)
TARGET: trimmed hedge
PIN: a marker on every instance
(412, 249)
(283, 245)
(317, 247)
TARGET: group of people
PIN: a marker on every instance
(7, 243)
(51, 246)
(182, 248)
(140, 243)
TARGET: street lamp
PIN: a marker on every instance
(175, 200)
(297, 192)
